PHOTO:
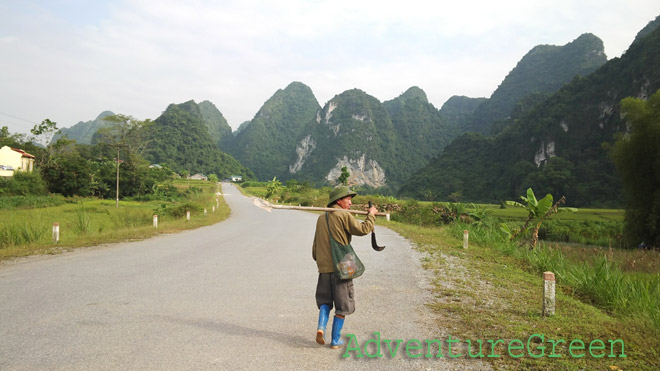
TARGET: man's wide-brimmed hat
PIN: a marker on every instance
(339, 193)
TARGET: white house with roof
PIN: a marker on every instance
(198, 176)
(14, 159)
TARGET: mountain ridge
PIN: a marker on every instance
(585, 54)
(387, 145)
(558, 146)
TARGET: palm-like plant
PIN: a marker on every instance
(539, 210)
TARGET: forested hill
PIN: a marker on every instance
(266, 144)
(458, 110)
(215, 122)
(83, 132)
(554, 147)
(180, 138)
(544, 69)
(420, 132)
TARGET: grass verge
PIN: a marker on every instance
(488, 293)
(91, 222)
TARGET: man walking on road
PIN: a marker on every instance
(330, 289)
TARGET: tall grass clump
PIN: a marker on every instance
(620, 293)
(21, 234)
(602, 283)
(129, 217)
(83, 221)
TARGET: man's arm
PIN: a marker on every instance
(357, 228)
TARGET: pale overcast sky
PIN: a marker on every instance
(69, 60)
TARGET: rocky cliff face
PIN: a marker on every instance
(350, 131)
(380, 144)
(362, 172)
(303, 151)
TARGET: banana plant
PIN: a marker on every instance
(273, 187)
(538, 211)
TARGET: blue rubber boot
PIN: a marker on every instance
(324, 313)
(337, 324)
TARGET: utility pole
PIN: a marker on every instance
(117, 205)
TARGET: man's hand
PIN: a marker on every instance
(373, 210)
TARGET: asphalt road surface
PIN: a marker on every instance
(237, 295)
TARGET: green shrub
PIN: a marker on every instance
(253, 183)
(591, 232)
(165, 192)
(23, 184)
(178, 210)
(31, 201)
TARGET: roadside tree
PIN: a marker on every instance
(636, 155)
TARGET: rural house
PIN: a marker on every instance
(14, 159)
(198, 176)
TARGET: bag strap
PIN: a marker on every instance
(328, 224)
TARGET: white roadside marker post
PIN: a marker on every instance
(56, 232)
(548, 294)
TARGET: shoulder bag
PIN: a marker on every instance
(346, 262)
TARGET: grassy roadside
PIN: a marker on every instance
(484, 293)
(92, 222)
(493, 290)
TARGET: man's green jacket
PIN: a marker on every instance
(343, 225)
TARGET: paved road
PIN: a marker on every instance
(236, 295)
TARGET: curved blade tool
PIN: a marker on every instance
(374, 245)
